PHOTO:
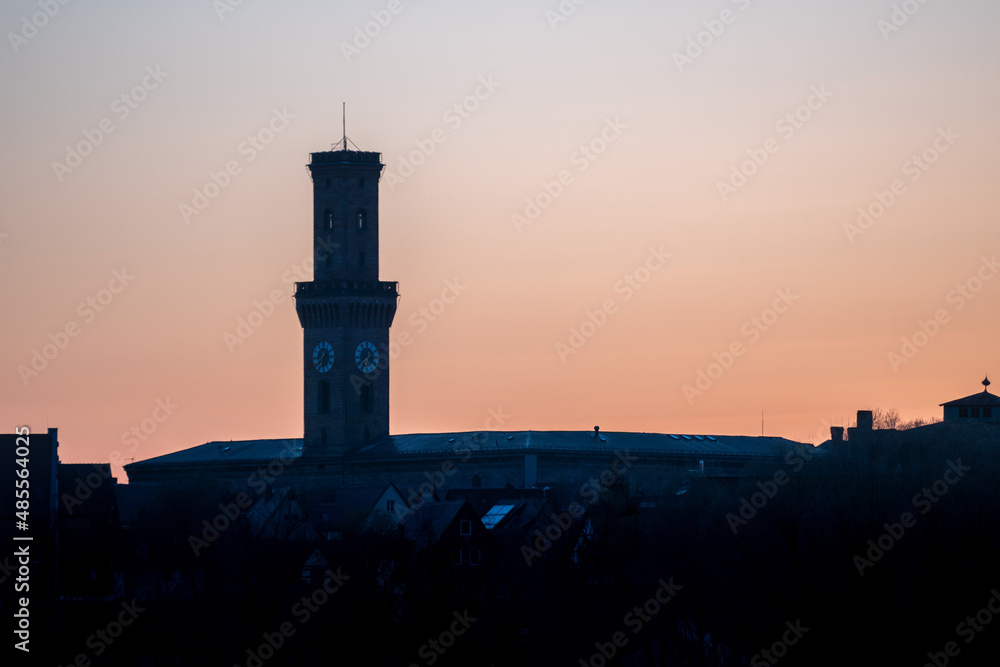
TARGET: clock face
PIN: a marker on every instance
(366, 357)
(323, 357)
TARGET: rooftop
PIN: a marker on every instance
(975, 400)
(527, 442)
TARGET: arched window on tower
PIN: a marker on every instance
(362, 220)
(324, 396)
(328, 219)
(366, 397)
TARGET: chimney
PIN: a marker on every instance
(597, 431)
(837, 433)
(864, 420)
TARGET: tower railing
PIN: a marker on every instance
(347, 288)
(348, 157)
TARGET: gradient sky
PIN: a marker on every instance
(887, 95)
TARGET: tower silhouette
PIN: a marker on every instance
(345, 311)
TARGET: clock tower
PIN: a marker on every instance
(346, 310)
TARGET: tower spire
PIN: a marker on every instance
(987, 383)
(345, 143)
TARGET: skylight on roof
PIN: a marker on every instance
(496, 515)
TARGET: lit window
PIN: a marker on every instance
(465, 527)
(496, 515)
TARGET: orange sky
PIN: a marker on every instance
(685, 195)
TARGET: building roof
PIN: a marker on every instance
(430, 521)
(526, 442)
(983, 398)
(529, 442)
(228, 450)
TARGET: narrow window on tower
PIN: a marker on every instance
(324, 396)
(361, 260)
(328, 219)
(366, 397)
(362, 220)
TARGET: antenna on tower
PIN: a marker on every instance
(343, 143)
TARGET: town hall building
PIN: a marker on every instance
(345, 313)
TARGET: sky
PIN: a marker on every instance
(674, 217)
